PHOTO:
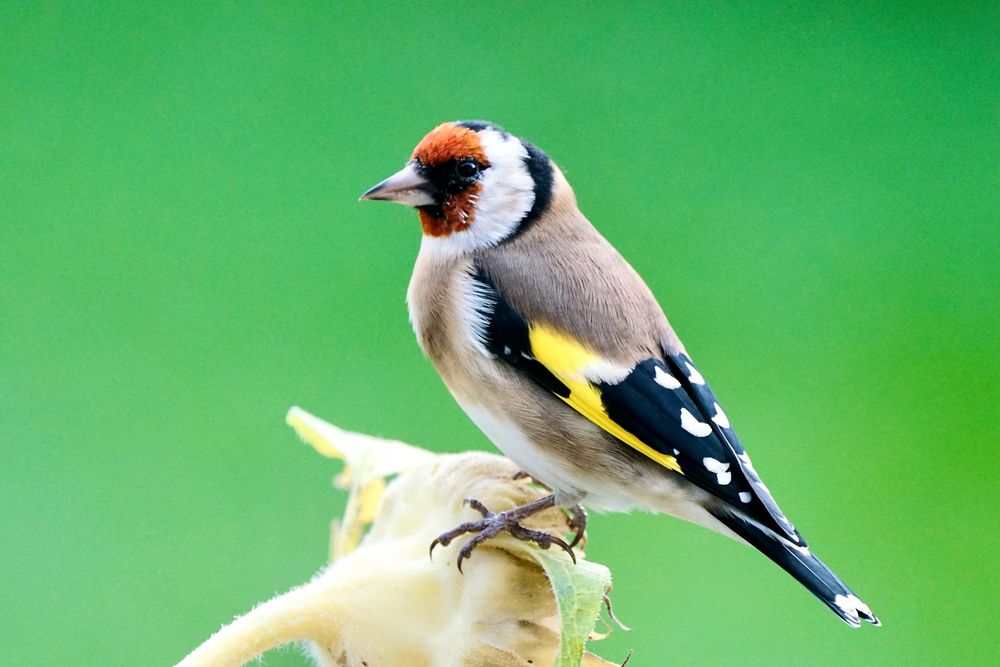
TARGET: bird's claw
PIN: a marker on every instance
(444, 539)
(492, 524)
(479, 507)
(578, 522)
(496, 524)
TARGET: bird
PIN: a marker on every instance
(558, 351)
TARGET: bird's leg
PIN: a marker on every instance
(577, 515)
(492, 525)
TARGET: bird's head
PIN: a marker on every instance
(473, 184)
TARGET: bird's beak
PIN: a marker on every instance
(406, 186)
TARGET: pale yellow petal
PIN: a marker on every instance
(376, 456)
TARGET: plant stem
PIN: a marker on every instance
(305, 613)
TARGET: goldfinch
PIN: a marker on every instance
(558, 351)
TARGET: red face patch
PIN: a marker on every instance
(449, 142)
(457, 213)
(446, 143)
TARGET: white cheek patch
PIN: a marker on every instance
(506, 196)
(508, 189)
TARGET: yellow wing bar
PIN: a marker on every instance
(569, 360)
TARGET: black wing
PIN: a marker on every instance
(661, 406)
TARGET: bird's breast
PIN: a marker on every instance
(444, 313)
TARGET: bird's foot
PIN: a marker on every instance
(492, 525)
(577, 515)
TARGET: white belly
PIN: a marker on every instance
(570, 482)
(515, 444)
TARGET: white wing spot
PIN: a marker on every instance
(693, 374)
(506, 351)
(676, 452)
(720, 469)
(853, 607)
(692, 425)
(665, 379)
(720, 417)
(605, 371)
(745, 496)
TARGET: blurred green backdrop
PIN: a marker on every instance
(812, 193)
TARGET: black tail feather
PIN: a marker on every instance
(800, 562)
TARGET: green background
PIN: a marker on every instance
(812, 194)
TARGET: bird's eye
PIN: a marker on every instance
(467, 169)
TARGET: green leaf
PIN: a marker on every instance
(579, 589)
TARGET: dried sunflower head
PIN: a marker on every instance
(387, 602)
